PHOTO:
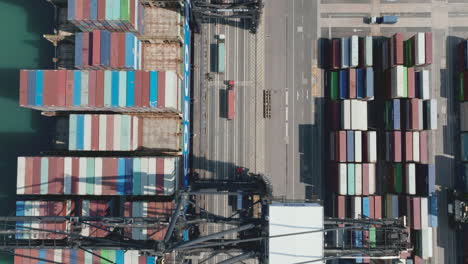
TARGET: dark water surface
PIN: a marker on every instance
(22, 131)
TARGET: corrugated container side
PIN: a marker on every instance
(410, 178)
(423, 150)
(354, 45)
(358, 179)
(357, 146)
(351, 178)
(428, 46)
(345, 52)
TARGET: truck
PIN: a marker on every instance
(221, 53)
(230, 100)
(457, 209)
(381, 20)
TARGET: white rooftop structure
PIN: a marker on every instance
(287, 218)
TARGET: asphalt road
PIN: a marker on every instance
(293, 134)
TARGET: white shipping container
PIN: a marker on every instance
(152, 176)
(342, 179)
(357, 146)
(84, 88)
(67, 173)
(372, 146)
(358, 115)
(424, 89)
(354, 51)
(464, 116)
(426, 241)
(58, 255)
(82, 176)
(144, 175)
(420, 49)
(432, 119)
(102, 132)
(371, 178)
(135, 133)
(171, 90)
(346, 114)
(126, 132)
(85, 212)
(117, 132)
(44, 175)
(368, 50)
(21, 173)
(410, 178)
(98, 176)
(169, 175)
(87, 132)
(397, 85)
(356, 207)
(358, 179)
(416, 146)
(424, 213)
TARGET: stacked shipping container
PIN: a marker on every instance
(106, 50)
(97, 176)
(462, 67)
(79, 256)
(98, 90)
(112, 15)
(105, 132)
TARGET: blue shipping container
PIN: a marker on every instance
(153, 89)
(39, 87)
(78, 48)
(365, 207)
(360, 93)
(369, 83)
(396, 111)
(115, 89)
(433, 210)
(345, 52)
(344, 84)
(130, 89)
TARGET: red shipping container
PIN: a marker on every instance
(411, 86)
(132, 13)
(96, 51)
(159, 176)
(59, 176)
(112, 176)
(352, 83)
(34, 254)
(99, 88)
(92, 88)
(52, 171)
(162, 91)
(140, 132)
(86, 10)
(66, 256)
(109, 132)
(396, 146)
(85, 50)
(341, 208)
(398, 52)
(341, 146)
(138, 88)
(371, 207)
(69, 88)
(428, 38)
(423, 151)
(106, 175)
(333, 109)
(18, 259)
(121, 60)
(28, 175)
(114, 47)
(23, 96)
(378, 207)
(49, 254)
(416, 213)
(36, 179)
(75, 175)
(408, 146)
(145, 91)
(336, 54)
(95, 132)
(365, 179)
(61, 88)
(48, 90)
(414, 114)
(96, 258)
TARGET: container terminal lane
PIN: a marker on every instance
(248, 131)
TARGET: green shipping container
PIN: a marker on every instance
(122, 88)
(397, 177)
(350, 179)
(124, 10)
(221, 58)
(372, 237)
(462, 93)
(333, 85)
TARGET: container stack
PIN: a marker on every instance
(409, 115)
(462, 67)
(104, 50)
(100, 90)
(81, 256)
(147, 176)
(147, 209)
(116, 15)
(353, 147)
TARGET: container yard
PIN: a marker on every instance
(252, 131)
